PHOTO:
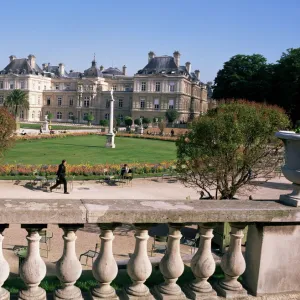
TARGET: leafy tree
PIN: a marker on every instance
(172, 115)
(286, 83)
(73, 118)
(162, 126)
(7, 127)
(159, 119)
(89, 118)
(128, 121)
(146, 121)
(104, 123)
(137, 121)
(16, 101)
(230, 146)
(244, 77)
(118, 122)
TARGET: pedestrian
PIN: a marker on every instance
(61, 177)
(41, 129)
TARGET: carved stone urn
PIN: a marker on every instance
(291, 168)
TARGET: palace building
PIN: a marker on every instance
(164, 83)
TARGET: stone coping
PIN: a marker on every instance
(18, 211)
(287, 135)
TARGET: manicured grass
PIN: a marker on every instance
(89, 149)
(56, 127)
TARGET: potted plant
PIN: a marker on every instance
(291, 168)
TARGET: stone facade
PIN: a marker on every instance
(162, 84)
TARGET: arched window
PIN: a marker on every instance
(71, 115)
(59, 116)
(33, 114)
(106, 116)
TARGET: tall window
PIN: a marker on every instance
(67, 86)
(1, 99)
(59, 100)
(33, 114)
(171, 104)
(114, 87)
(59, 116)
(1, 85)
(48, 101)
(143, 86)
(57, 86)
(11, 85)
(156, 104)
(126, 87)
(86, 102)
(71, 102)
(107, 103)
(22, 84)
(120, 103)
(157, 87)
(172, 87)
(70, 115)
(106, 117)
(142, 103)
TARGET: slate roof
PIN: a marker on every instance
(93, 71)
(112, 71)
(55, 71)
(21, 66)
(163, 65)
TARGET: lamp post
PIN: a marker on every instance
(110, 137)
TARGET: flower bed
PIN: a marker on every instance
(85, 169)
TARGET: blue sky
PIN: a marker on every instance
(207, 33)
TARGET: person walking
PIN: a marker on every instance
(61, 177)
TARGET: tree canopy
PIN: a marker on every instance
(16, 101)
(7, 127)
(172, 115)
(230, 146)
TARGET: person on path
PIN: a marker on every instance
(61, 177)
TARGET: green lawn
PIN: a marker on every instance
(90, 149)
(56, 127)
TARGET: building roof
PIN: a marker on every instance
(55, 70)
(112, 71)
(93, 71)
(163, 65)
(21, 66)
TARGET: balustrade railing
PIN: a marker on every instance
(71, 215)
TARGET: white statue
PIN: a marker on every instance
(112, 94)
(46, 117)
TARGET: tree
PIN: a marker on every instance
(146, 121)
(128, 121)
(16, 101)
(89, 118)
(73, 118)
(162, 126)
(244, 77)
(7, 128)
(159, 119)
(137, 121)
(103, 123)
(230, 146)
(172, 115)
(286, 83)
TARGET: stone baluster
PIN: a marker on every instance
(105, 268)
(171, 267)
(68, 267)
(139, 267)
(4, 267)
(33, 269)
(233, 264)
(203, 266)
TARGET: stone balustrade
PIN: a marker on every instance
(269, 266)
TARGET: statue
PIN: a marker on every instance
(112, 94)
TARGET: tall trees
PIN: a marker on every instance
(16, 101)
(7, 127)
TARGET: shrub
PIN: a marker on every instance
(172, 115)
(128, 121)
(89, 118)
(146, 121)
(103, 123)
(230, 146)
(7, 128)
(137, 121)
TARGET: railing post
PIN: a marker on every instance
(68, 268)
(4, 267)
(33, 269)
(105, 268)
(203, 266)
(233, 264)
(139, 267)
(171, 266)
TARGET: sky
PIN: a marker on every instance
(207, 33)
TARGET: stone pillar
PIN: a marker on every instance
(68, 268)
(33, 269)
(105, 268)
(171, 267)
(233, 264)
(4, 267)
(203, 266)
(139, 267)
(110, 137)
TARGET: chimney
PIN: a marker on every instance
(151, 55)
(31, 60)
(61, 69)
(197, 73)
(124, 70)
(188, 66)
(45, 65)
(11, 58)
(176, 56)
(101, 68)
